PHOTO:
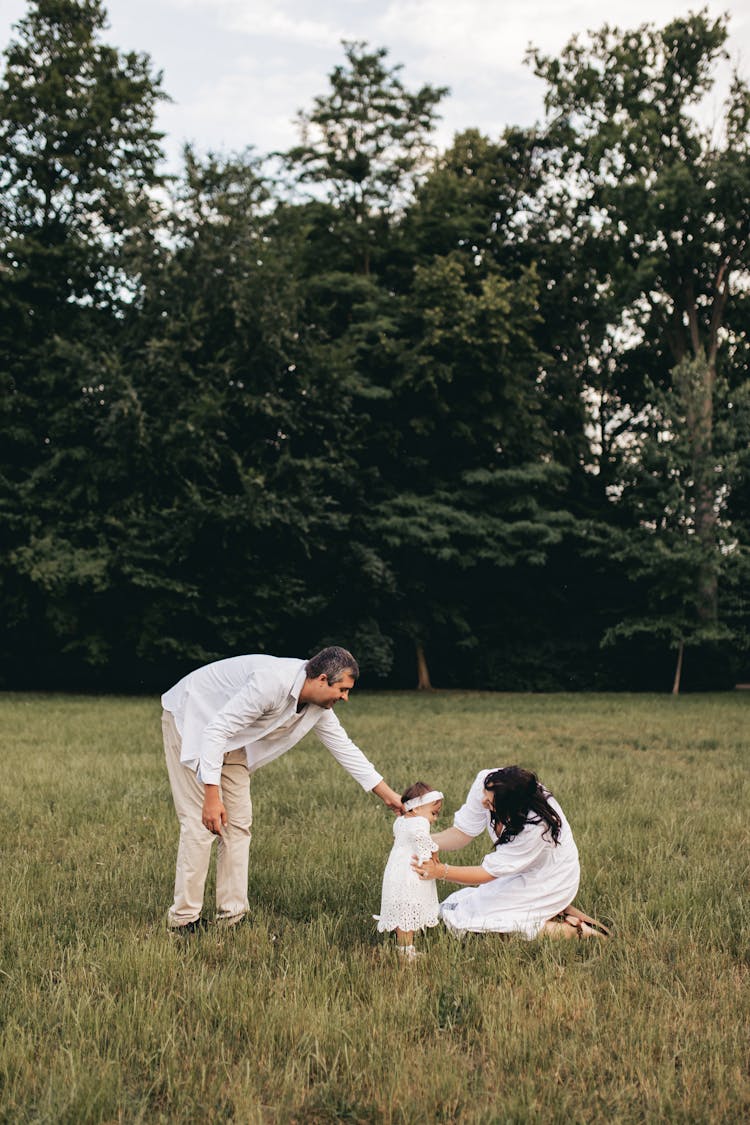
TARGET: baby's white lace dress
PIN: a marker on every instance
(408, 902)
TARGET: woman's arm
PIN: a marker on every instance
(451, 839)
(436, 869)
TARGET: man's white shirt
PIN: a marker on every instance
(251, 702)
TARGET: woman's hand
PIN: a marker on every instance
(427, 868)
(436, 869)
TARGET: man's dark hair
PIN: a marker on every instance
(332, 663)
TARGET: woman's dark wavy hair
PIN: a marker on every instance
(518, 799)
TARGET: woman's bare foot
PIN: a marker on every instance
(573, 915)
(570, 927)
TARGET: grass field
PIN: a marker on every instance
(305, 1015)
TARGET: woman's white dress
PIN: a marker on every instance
(534, 878)
(408, 902)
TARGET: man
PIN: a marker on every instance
(221, 723)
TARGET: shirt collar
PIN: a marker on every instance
(299, 680)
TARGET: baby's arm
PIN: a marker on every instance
(424, 845)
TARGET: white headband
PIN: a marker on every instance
(425, 799)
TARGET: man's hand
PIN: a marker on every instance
(214, 815)
(390, 799)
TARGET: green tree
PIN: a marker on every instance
(499, 203)
(78, 163)
(233, 417)
(464, 444)
(466, 487)
(366, 141)
(78, 159)
(657, 543)
(658, 206)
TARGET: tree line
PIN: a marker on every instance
(481, 414)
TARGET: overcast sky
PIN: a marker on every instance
(239, 70)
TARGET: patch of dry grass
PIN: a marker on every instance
(305, 1015)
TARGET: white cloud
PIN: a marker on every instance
(269, 19)
(247, 105)
(239, 70)
(495, 32)
(477, 48)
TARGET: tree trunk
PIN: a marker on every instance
(705, 506)
(697, 379)
(423, 672)
(678, 669)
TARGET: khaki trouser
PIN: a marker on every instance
(194, 851)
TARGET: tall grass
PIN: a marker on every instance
(305, 1015)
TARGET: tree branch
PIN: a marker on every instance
(721, 295)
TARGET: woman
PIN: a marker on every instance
(528, 881)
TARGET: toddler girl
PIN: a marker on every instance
(408, 903)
